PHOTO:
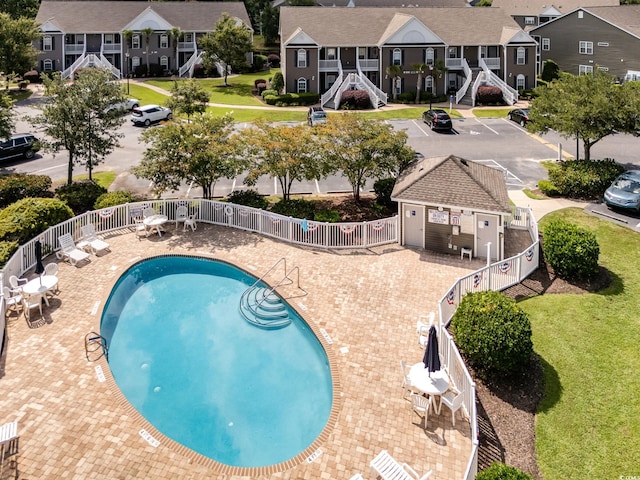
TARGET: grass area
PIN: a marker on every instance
(589, 348)
(491, 112)
(104, 179)
(534, 196)
(146, 95)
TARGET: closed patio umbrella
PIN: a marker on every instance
(431, 358)
(39, 266)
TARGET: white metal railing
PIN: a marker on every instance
(111, 47)
(346, 84)
(68, 72)
(493, 63)
(107, 65)
(187, 46)
(474, 90)
(329, 65)
(453, 62)
(465, 86)
(368, 63)
(74, 48)
(509, 93)
(331, 93)
(188, 66)
(375, 94)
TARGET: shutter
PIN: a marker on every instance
(53, 43)
(295, 58)
(41, 44)
(158, 38)
(515, 56)
(526, 82)
(526, 56)
(402, 57)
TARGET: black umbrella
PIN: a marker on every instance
(39, 265)
(431, 358)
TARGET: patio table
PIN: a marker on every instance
(155, 223)
(40, 286)
(434, 383)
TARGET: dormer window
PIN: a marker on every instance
(529, 20)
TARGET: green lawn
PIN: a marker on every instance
(590, 415)
(491, 112)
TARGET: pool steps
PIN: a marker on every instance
(261, 307)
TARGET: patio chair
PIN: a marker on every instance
(69, 251)
(11, 299)
(31, 301)
(190, 222)
(148, 212)
(388, 468)
(357, 476)
(406, 381)
(141, 228)
(16, 283)
(52, 270)
(8, 442)
(92, 240)
(421, 406)
(452, 399)
(182, 213)
(422, 327)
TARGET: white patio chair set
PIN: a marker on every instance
(29, 294)
(388, 468)
(151, 222)
(89, 243)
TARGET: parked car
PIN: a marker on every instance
(126, 106)
(519, 115)
(624, 192)
(21, 145)
(437, 119)
(149, 114)
(316, 115)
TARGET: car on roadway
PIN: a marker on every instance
(519, 115)
(437, 119)
(149, 114)
(21, 145)
(624, 192)
(316, 116)
(126, 106)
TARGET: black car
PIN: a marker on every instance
(21, 145)
(519, 115)
(437, 119)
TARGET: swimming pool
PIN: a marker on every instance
(184, 357)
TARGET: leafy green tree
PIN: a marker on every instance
(361, 148)
(550, 71)
(188, 97)
(147, 33)
(17, 54)
(6, 118)
(394, 71)
(201, 152)
(287, 153)
(484, 3)
(230, 42)
(586, 107)
(277, 82)
(20, 8)
(269, 24)
(76, 117)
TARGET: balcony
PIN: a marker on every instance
(368, 64)
(112, 48)
(329, 65)
(453, 63)
(493, 63)
(74, 49)
(186, 46)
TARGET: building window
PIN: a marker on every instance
(483, 51)
(585, 70)
(429, 85)
(520, 82)
(452, 52)
(580, 14)
(135, 62)
(47, 43)
(362, 53)
(302, 59)
(47, 64)
(586, 48)
(529, 20)
(546, 44)
(135, 41)
(521, 56)
(108, 38)
(164, 62)
(164, 41)
(331, 53)
(397, 57)
(302, 85)
(429, 56)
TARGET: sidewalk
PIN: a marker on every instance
(542, 207)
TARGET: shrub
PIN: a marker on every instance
(32, 76)
(259, 62)
(383, 189)
(80, 196)
(248, 198)
(406, 97)
(277, 83)
(258, 81)
(584, 178)
(489, 94)
(261, 87)
(571, 250)
(329, 216)
(548, 188)
(6, 250)
(111, 199)
(274, 60)
(550, 71)
(17, 186)
(297, 208)
(23, 84)
(355, 100)
(293, 99)
(270, 92)
(493, 333)
(26, 218)
(500, 471)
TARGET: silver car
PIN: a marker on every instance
(149, 114)
(624, 192)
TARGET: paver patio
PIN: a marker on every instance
(73, 426)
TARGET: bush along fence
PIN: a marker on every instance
(497, 276)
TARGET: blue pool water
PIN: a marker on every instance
(187, 360)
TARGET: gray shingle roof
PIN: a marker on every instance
(453, 181)
(339, 26)
(393, 3)
(536, 7)
(626, 17)
(111, 16)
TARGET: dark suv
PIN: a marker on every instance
(437, 119)
(20, 145)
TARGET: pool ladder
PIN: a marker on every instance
(94, 342)
(262, 306)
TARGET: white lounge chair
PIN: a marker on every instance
(69, 251)
(148, 212)
(91, 239)
(182, 213)
(388, 468)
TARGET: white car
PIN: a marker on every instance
(126, 106)
(148, 114)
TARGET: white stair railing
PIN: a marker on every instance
(68, 72)
(465, 86)
(474, 91)
(331, 93)
(509, 93)
(187, 67)
(107, 65)
(374, 91)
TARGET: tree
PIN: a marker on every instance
(147, 33)
(17, 54)
(201, 152)
(550, 71)
(127, 35)
(76, 117)
(277, 82)
(287, 153)
(269, 24)
(176, 34)
(20, 8)
(188, 97)
(230, 42)
(420, 68)
(586, 107)
(362, 148)
(6, 118)
(394, 71)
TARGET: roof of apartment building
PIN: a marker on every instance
(539, 7)
(111, 16)
(361, 26)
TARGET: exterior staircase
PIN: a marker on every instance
(353, 81)
(95, 60)
(468, 98)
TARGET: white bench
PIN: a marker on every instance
(387, 468)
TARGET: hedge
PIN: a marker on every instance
(355, 100)
(489, 95)
(292, 99)
(17, 186)
(571, 250)
(27, 218)
(111, 199)
(80, 196)
(586, 179)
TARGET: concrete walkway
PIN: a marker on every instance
(542, 207)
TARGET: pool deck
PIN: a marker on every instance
(73, 426)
